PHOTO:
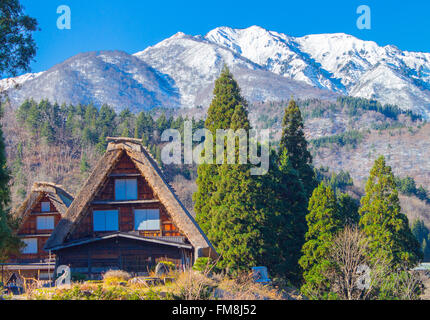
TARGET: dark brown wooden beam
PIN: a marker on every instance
(112, 202)
(124, 175)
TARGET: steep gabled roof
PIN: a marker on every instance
(153, 175)
(59, 197)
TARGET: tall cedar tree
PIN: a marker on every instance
(324, 221)
(293, 185)
(348, 208)
(293, 140)
(225, 201)
(381, 220)
(284, 233)
(226, 98)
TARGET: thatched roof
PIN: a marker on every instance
(153, 175)
(60, 198)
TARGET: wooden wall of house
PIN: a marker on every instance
(125, 169)
(118, 253)
(28, 229)
(29, 226)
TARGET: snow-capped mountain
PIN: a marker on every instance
(194, 63)
(106, 77)
(180, 71)
(338, 62)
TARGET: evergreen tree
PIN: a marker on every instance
(226, 98)
(145, 140)
(125, 133)
(421, 233)
(225, 200)
(324, 221)
(235, 221)
(348, 208)
(9, 242)
(162, 123)
(101, 145)
(17, 47)
(382, 221)
(293, 140)
(286, 200)
(85, 167)
(426, 250)
(420, 230)
(293, 181)
(48, 132)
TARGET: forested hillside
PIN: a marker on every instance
(61, 143)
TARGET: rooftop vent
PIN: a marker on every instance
(124, 143)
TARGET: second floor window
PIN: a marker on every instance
(106, 220)
(46, 207)
(126, 189)
(45, 223)
(30, 246)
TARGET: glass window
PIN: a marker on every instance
(30, 246)
(106, 220)
(45, 223)
(147, 220)
(126, 189)
(46, 207)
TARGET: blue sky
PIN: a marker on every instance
(132, 25)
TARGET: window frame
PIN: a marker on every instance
(26, 246)
(41, 206)
(127, 197)
(136, 227)
(45, 218)
(105, 229)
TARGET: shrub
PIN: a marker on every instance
(116, 277)
(192, 285)
(164, 268)
(78, 277)
(206, 265)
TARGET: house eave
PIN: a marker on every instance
(119, 235)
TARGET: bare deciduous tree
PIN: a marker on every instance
(356, 277)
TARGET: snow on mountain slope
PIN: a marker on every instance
(339, 62)
(9, 83)
(107, 77)
(384, 83)
(194, 63)
(276, 52)
(180, 71)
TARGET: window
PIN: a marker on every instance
(126, 189)
(46, 207)
(30, 246)
(45, 223)
(147, 219)
(106, 220)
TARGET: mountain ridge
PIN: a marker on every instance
(269, 66)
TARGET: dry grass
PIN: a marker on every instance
(116, 277)
(245, 288)
(194, 285)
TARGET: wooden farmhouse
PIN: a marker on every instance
(126, 216)
(39, 214)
